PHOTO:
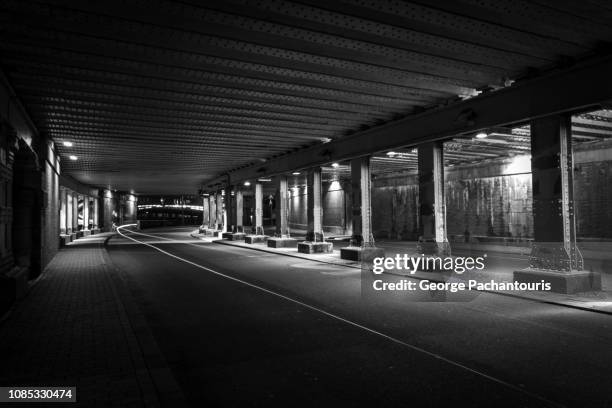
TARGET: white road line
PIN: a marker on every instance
(342, 319)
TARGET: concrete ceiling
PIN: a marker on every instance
(159, 96)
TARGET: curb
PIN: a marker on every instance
(550, 302)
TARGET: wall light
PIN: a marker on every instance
(73, 157)
(247, 183)
(335, 165)
(296, 173)
(67, 143)
(391, 154)
(481, 135)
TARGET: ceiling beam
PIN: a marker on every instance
(583, 86)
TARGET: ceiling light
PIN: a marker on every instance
(67, 143)
(296, 173)
(72, 157)
(481, 135)
(391, 154)
(247, 183)
(335, 165)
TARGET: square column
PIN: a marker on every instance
(220, 222)
(555, 257)
(96, 212)
(258, 209)
(212, 207)
(282, 225)
(432, 206)
(257, 235)
(282, 239)
(235, 210)
(362, 242)
(314, 210)
(86, 213)
(315, 242)
(63, 211)
(205, 213)
(75, 212)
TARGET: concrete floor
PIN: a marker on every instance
(241, 327)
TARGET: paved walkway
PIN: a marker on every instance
(593, 301)
(79, 326)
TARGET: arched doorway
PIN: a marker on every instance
(27, 207)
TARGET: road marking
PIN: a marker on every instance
(342, 319)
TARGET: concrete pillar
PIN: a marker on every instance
(237, 210)
(361, 200)
(315, 242)
(432, 207)
(86, 212)
(75, 212)
(282, 223)
(96, 212)
(212, 207)
(220, 211)
(314, 210)
(258, 209)
(63, 211)
(205, 212)
(555, 257)
(362, 242)
(68, 212)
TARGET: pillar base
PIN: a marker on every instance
(234, 236)
(79, 234)
(431, 247)
(561, 282)
(255, 239)
(315, 247)
(359, 254)
(276, 242)
(211, 232)
(86, 233)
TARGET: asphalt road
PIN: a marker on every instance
(245, 328)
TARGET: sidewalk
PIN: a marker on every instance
(591, 301)
(79, 326)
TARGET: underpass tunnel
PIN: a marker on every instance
(472, 193)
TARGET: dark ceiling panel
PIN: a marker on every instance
(159, 96)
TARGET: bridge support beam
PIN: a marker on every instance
(315, 242)
(362, 246)
(282, 238)
(432, 207)
(555, 257)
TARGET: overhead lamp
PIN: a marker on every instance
(296, 173)
(264, 179)
(335, 165)
(73, 157)
(391, 154)
(247, 183)
(481, 135)
(67, 143)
